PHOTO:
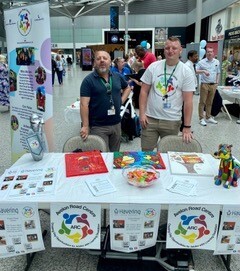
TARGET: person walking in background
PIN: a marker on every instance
(69, 62)
(209, 83)
(4, 84)
(59, 69)
(191, 63)
(136, 78)
(166, 85)
(102, 93)
(54, 67)
(143, 55)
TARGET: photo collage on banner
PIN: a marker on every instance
(133, 227)
(29, 56)
(192, 226)
(76, 225)
(20, 230)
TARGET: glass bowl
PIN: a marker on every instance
(140, 176)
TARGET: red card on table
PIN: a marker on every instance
(84, 163)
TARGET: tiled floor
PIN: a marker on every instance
(54, 259)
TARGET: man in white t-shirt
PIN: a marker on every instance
(166, 85)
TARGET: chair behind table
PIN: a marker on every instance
(175, 143)
(93, 142)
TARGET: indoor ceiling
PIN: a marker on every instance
(76, 8)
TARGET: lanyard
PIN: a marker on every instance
(104, 83)
(108, 86)
(165, 75)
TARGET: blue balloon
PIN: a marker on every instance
(144, 44)
(202, 53)
(203, 43)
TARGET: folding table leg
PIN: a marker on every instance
(227, 261)
(226, 111)
(30, 256)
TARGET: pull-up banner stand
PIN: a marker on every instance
(29, 56)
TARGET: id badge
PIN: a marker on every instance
(111, 112)
(167, 105)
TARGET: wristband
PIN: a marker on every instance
(187, 126)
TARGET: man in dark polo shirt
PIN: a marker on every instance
(101, 95)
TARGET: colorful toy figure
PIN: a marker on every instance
(229, 169)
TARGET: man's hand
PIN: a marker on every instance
(187, 135)
(206, 73)
(84, 132)
(144, 121)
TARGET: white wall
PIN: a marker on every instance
(209, 7)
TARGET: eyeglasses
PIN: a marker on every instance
(109, 89)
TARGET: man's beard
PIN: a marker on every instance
(102, 70)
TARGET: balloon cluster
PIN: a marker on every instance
(145, 44)
(202, 51)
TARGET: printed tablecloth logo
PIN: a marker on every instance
(192, 228)
(75, 227)
(24, 23)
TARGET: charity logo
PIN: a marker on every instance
(192, 228)
(24, 22)
(28, 211)
(166, 87)
(75, 227)
(149, 213)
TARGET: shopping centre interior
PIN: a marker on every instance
(210, 136)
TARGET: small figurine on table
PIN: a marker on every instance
(229, 169)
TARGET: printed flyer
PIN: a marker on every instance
(75, 225)
(28, 182)
(192, 226)
(228, 241)
(133, 226)
(20, 230)
(6, 182)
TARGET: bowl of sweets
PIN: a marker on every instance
(140, 176)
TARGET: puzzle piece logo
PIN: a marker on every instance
(192, 228)
(75, 227)
(24, 22)
(166, 85)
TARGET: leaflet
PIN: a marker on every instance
(100, 185)
(133, 227)
(183, 186)
(27, 182)
(20, 230)
(228, 241)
